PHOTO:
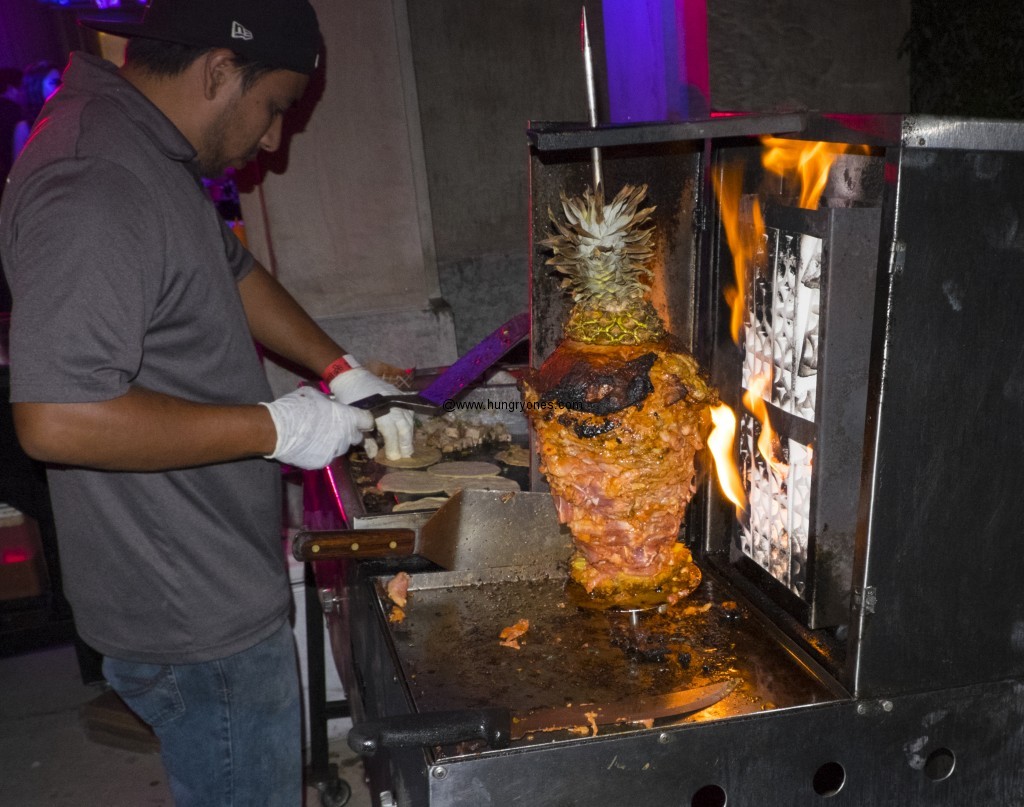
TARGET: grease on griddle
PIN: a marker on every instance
(641, 647)
(571, 657)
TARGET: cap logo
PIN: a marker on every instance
(239, 31)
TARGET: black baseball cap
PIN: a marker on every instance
(280, 33)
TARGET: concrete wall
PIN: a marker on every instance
(340, 213)
(839, 56)
(402, 220)
(408, 180)
(483, 70)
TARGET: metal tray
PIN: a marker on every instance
(448, 651)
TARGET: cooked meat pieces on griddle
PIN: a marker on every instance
(510, 636)
(398, 589)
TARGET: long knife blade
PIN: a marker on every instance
(498, 726)
(588, 718)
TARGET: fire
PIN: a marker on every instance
(807, 164)
(753, 399)
(720, 443)
(810, 162)
(723, 438)
(744, 241)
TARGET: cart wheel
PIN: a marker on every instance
(335, 793)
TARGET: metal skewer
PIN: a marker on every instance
(588, 65)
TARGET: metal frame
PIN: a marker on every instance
(850, 247)
(949, 233)
(927, 659)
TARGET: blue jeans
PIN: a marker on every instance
(229, 729)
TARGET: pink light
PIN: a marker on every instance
(14, 555)
(335, 495)
(692, 31)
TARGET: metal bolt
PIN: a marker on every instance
(664, 738)
(862, 708)
(887, 706)
(439, 772)
(329, 601)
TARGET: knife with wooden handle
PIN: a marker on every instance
(498, 727)
(361, 544)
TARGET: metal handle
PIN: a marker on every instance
(494, 726)
(356, 544)
(378, 404)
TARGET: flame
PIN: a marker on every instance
(802, 162)
(753, 399)
(744, 241)
(810, 162)
(720, 443)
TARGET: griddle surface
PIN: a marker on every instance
(450, 653)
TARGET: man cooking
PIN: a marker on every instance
(134, 375)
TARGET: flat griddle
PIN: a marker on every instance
(448, 650)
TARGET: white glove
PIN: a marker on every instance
(312, 429)
(396, 427)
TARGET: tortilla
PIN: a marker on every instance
(454, 485)
(426, 503)
(422, 457)
(514, 455)
(464, 469)
(411, 482)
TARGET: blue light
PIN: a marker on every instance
(657, 54)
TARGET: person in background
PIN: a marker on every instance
(12, 113)
(39, 82)
(135, 375)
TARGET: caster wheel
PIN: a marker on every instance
(335, 793)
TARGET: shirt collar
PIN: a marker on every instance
(91, 75)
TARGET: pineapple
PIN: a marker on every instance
(619, 409)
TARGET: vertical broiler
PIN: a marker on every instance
(858, 537)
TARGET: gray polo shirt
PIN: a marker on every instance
(123, 274)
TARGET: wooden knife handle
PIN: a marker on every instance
(357, 544)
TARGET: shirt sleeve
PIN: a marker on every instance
(84, 263)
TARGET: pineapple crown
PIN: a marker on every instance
(602, 249)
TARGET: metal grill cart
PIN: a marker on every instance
(865, 602)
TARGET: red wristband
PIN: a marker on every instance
(335, 369)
